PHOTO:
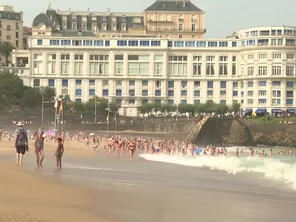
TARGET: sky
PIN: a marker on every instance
(222, 18)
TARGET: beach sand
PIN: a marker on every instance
(29, 197)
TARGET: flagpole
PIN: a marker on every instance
(55, 121)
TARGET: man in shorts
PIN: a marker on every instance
(21, 143)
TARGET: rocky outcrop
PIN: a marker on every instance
(194, 131)
(239, 132)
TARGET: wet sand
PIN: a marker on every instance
(143, 191)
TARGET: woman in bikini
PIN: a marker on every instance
(59, 153)
(39, 145)
(131, 148)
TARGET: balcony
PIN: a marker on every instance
(159, 21)
(168, 29)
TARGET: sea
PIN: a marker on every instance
(277, 167)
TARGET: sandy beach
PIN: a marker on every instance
(32, 197)
(93, 186)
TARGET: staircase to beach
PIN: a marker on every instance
(194, 131)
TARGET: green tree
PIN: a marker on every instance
(31, 98)
(48, 94)
(6, 49)
(114, 107)
(146, 108)
(142, 109)
(235, 107)
(98, 104)
(221, 109)
(11, 89)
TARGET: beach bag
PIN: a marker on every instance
(21, 135)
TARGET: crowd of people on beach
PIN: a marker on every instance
(114, 144)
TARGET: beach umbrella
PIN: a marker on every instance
(50, 132)
(91, 134)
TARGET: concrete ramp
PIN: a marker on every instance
(194, 131)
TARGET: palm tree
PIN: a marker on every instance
(6, 49)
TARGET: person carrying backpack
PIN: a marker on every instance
(21, 143)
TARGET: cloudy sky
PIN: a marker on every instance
(223, 17)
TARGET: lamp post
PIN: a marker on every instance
(42, 111)
(95, 110)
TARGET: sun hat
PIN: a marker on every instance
(20, 123)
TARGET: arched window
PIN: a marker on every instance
(8, 28)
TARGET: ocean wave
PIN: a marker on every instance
(269, 167)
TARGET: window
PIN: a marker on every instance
(155, 43)
(290, 70)
(212, 44)
(105, 92)
(183, 92)
(235, 93)
(78, 92)
(36, 82)
(262, 71)
(133, 43)
(171, 102)
(196, 84)
(99, 64)
(196, 101)
(91, 92)
(51, 67)
(262, 56)
(276, 93)
(235, 84)
(262, 92)
(118, 68)
(223, 84)
(145, 92)
(98, 43)
(223, 44)
(251, 71)
(65, 64)
(118, 83)
(276, 83)
(157, 84)
(250, 94)
(171, 93)
(289, 101)
(144, 83)
(78, 100)
(251, 57)
(118, 92)
(262, 101)
(210, 93)
(121, 43)
(276, 56)
(184, 84)
(131, 92)
(290, 56)
(78, 82)
(197, 65)
(158, 92)
(92, 82)
(65, 82)
(177, 65)
(181, 26)
(39, 42)
(196, 93)
(51, 82)
(210, 65)
(290, 94)
(223, 65)
(65, 42)
(250, 84)
(138, 68)
(171, 84)
(193, 27)
(37, 67)
(223, 102)
(210, 84)
(132, 83)
(262, 83)
(144, 43)
(184, 101)
(290, 84)
(87, 42)
(276, 70)
(54, 42)
(8, 28)
(157, 68)
(132, 101)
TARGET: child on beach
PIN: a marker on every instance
(59, 153)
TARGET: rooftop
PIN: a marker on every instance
(173, 6)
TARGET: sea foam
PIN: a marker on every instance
(269, 167)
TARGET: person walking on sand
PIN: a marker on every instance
(59, 153)
(21, 143)
(39, 145)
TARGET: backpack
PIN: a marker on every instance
(21, 135)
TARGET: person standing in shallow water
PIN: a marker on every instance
(59, 153)
(21, 143)
(39, 145)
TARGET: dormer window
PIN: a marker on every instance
(74, 26)
(104, 19)
(123, 18)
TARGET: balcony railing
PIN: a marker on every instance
(166, 29)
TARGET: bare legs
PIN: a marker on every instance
(40, 157)
(131, 154)
(19, 159)
(59, 163)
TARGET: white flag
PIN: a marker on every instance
(56, 104)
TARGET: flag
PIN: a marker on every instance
(56, 104)
(107, 119)
(61, 107)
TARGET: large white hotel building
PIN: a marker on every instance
(255, 67)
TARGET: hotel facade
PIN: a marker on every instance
(255, 67)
